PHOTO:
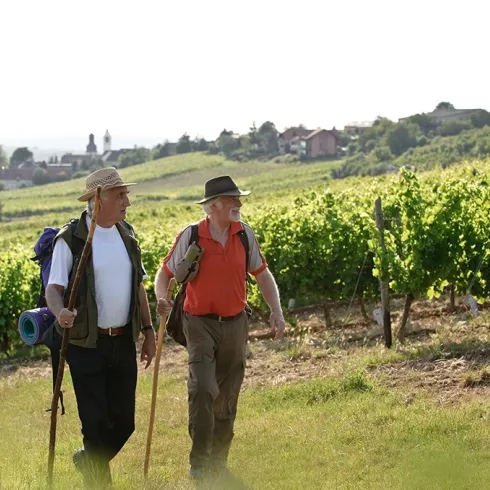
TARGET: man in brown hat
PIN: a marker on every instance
(215, 318)
(110, 312)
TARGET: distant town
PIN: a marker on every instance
(22, 170)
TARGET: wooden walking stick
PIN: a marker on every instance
(161, 335)
(66, 337)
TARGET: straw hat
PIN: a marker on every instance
(221, 186)
(107, 178)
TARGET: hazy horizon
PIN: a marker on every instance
(153, 71)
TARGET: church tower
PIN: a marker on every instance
(91, 147)
(107, 141)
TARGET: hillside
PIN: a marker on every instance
(329, 407)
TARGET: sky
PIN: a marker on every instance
(152, 70)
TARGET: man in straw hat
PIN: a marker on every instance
(111, 311)
(216, 320)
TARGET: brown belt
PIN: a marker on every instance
(113, 331)
(222, 318)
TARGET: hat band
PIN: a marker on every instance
(107, 182)
(104, 181)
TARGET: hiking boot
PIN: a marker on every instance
(198, 473)
(94, 475)
(80, 460)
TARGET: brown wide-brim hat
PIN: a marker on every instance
(221, 186)
(107, 178)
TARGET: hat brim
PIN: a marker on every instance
(88, 195)
(229, 193)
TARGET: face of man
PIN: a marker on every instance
(114, 205)
(230, 208)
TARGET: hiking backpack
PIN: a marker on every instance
(43, 249)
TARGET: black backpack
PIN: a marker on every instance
(175, 320)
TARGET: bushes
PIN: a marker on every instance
(19, 290)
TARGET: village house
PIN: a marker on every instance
(309, 143)
(13, 178)
(443, 115)
(355, 129)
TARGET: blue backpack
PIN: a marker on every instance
(44, 248)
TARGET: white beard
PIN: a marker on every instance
(235, 214)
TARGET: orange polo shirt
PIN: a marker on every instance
(220, 286)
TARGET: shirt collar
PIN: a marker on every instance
(205, 232)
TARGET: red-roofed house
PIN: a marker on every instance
(309, 143)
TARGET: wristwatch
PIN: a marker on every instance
(147, 327)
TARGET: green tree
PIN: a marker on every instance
(228, 144)
(160, 151)
(253, 136)
(444, 105)
(480, 118)
(399, 139)
(184, 145)
(3, 158)
(267, 135)
(135, 157)
(376, 132)
(21, 155)
(200, 144)
(452, 128)
(424, 122)
(40, 176)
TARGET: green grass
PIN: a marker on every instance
(336, 433)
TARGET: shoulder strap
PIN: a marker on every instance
(194, 234)
(242, 234)
(76, 246)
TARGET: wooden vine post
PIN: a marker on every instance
(384, 282)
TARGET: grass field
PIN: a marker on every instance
(330, 418)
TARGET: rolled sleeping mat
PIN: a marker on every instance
(33, 323)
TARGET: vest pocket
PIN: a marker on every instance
(80, 325)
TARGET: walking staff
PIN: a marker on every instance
(161, 335)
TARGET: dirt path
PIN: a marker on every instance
(448, 359)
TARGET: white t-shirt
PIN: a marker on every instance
(112, 274)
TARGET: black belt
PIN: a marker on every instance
(220, 318)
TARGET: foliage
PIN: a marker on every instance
(444, 105)
(135, 157)
(452, 128)
(3, 158)
(40, 176)
(18, 291)
(400, 138)
(184, 145)
(480, 118)
(21, 155)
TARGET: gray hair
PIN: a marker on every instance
(91, 203)
(206, 206)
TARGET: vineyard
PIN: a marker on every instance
(319, 237)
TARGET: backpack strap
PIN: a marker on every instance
(242, 234)
(194, 234)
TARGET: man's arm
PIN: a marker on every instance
(161, 286)
(54, 300)
(144, 306)
(148, 348)
(268, 288)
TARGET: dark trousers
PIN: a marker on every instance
(217, 356)
(104, 380)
